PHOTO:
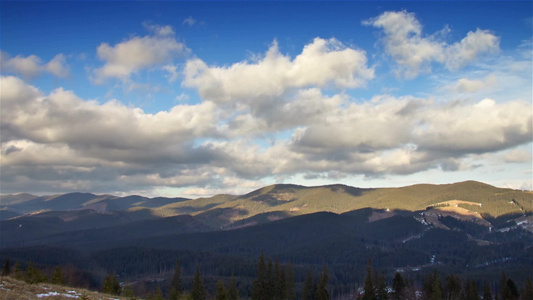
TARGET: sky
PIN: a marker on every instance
(192, 99)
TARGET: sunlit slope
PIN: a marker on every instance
(297, 200)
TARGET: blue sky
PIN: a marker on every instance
(198, 98)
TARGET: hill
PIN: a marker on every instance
(11, 288)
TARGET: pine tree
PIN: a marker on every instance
(432, 286)
(270, 284)
(17, 271)
(197, 290)
(7, 268)
(259, 289)
(487, 294)
(33, 275)
(452, 287)
(57, 276)
(233, 292)
(158, 295)
(369, 293)
(527, 290)
(290, 282)
(175, 283)
(322, 291)
(307, 293)
(280, 282)
(398, 287)
(222, 294)
(111, 285)
(381, 288)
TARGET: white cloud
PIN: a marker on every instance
(158, 29)
(415, 53)
(190, 21)
(517, 156)
(32, 66)
(62, 142)
(321, 63)
(136, 54)
(465, 85)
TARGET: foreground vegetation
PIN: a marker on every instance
(273, 282)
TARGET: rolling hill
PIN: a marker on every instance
(466, 228)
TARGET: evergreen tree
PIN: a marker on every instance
(432, 286)
(57, 276)
(158, 295)
(280, 282)
(369, 293)
(7, 268)
(398, 287)
(33, 275)
(17, 271)
(307, 293)
(233, 292)
(470, 290)
(197, 290)
(322, 291)
(175, 283)
(290, 282)
(487, 294)
(452, 287)
(270, 285)
(381, 287)
(260, 285)
(222, 294)
(527, 290)
(111, 285)
(508, 289)
(128, 292)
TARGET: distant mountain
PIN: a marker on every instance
(469, 228)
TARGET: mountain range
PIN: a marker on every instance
(466, 228)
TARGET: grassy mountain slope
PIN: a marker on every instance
(295, 200)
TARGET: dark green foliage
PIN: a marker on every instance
(222, 294)
(527, 290)
(198, 291)
(17, 271)
(290, 282)
(381, 287)
(260, 288)
(508, 289)
(233, 292)
(470, 290)
(452, 287)
(322, 290)
(398, 287)
(157, 295)
(7, 268)
(280, 283)
(369, 289)
(129, 293)
(432, 286)
(307, 293)
(487, 293)
(111, 285)
(175, 283)
(33, 275)
(57, 277)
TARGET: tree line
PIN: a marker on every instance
(275, 281)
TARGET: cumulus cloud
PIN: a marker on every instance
(465, 85)
(60, 142)
(321, 63)
(32, 66)
(414, 53)
(138, 53)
